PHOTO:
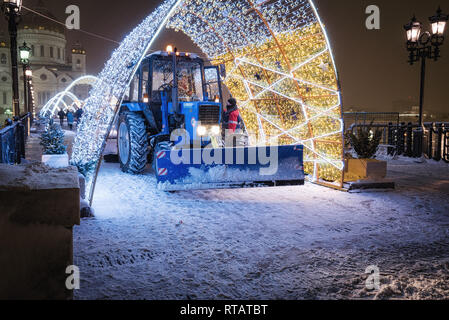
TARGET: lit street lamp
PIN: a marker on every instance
(422, 46)
(11, 9)
(24, 51)
(438, 22)
(25, 59)
(29, 77)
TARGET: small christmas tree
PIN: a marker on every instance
(365, 142)
(53, 139)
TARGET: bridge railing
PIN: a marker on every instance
(13, 139)
(410, 140)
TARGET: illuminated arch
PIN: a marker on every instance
(55, 102)
(279, 66)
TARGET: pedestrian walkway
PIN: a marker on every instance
(33, 149)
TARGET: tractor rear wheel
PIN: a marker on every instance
(132, 142)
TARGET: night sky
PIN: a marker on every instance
(372, 64)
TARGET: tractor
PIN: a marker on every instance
(172, 118)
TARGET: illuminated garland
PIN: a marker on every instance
(106, 95)
(280, 68)
(58, 102)
(49, 109)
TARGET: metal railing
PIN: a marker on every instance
(13, 139)
(365, 118)
(436, 141)
(411, 140)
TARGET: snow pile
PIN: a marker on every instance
(30, 176)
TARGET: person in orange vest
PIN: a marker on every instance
(232, 117)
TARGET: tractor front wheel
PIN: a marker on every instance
(132, 143)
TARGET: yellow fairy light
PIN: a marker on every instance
(281, 70)
(279, 65)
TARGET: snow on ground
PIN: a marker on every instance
(305, 242)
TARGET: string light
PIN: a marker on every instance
(100, 109)
(49, 109)
(280, 69)
(54, 104)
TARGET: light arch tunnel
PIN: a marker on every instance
(59, 101)
(279, 67)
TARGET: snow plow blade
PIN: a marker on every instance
(245, 167)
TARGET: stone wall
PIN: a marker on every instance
(38, 208)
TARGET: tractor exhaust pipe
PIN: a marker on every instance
(175, 85)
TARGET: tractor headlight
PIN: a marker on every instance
(215, 130)
(201, 131)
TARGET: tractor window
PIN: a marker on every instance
(145, 79)
(190, 84)
(162, 74)
(212, 83)
(134, 89)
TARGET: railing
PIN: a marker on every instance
(12, 140)
(436, 141)
(412, 141)
(365, 118)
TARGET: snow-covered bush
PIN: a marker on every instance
(365, 141)
(52, 140)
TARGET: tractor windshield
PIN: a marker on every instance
(190, 85)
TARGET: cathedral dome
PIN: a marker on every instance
(33, 21)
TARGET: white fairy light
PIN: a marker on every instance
(49, 108)
(293, 43)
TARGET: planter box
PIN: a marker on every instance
(365, 169)
(56, 160)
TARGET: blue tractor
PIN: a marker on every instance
(173, 119)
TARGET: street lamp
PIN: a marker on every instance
(438, 22)
(413, 29)
(12, 5)
(422, 46)
(24, 51)
(25, 59)
(11, 9)
(29, 79)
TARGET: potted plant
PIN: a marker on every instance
(54, 151)
(365, 142)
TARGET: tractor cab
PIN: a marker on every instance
(176, 90)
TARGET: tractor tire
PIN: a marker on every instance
(132, 141)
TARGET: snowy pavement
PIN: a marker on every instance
(306, 242)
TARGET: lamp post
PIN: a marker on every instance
(11, 9)
(422, 46)
(24, 51)
(29, 77)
